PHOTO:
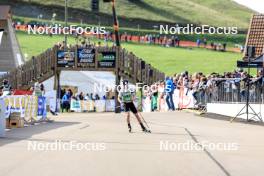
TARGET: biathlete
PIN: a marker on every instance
(127, 97)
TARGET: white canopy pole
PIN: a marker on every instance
(1, 34)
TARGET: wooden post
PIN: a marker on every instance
(117, 80)
(56, 80)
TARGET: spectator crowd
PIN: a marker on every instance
(229, 87)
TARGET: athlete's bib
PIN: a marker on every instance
(126, 97)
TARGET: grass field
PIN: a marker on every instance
(215, 13)
(168, 60)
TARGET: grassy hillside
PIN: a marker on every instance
(212, 12)
(168, 60)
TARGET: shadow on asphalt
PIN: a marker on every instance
(27, 132)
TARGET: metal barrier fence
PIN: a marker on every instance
(230, 91)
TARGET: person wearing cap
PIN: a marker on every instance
(6, 88)
(127, 97)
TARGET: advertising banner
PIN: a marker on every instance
(42, 111)
(86, 57)
(65, 59)
(27, 106)
(31, 108)
(15, 104)
(75, 105)
(106, 59)
(87, 105)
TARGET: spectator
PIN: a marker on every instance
(224, 47)
(169, 88)
(97, 97)
(205, 42)
(37, 90)
(42, 89)
(87, 97)
(6, 88)
(70, 93)
(195, 87)
(66, 102)
(154, 98)
(91, 96)
(198, 43)
(63, 91)
(80, 96)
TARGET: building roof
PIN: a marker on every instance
(4, 12)
(255, 35)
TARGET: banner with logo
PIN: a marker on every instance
(65, 58)
(29, 107)
(87, 105)
(15, 104)
(98, 105)
(86, 57)
(106, 59)
(75, 106)
(42, 110)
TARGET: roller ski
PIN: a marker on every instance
(144, 129)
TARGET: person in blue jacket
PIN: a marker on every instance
(169, 89)
(66, 101)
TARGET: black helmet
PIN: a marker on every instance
(5, 81)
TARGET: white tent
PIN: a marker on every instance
(84, 80)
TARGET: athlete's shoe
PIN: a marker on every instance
(146, 130)
(130, 130)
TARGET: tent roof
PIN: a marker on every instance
(255, 35)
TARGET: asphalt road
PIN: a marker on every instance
(181, 144)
